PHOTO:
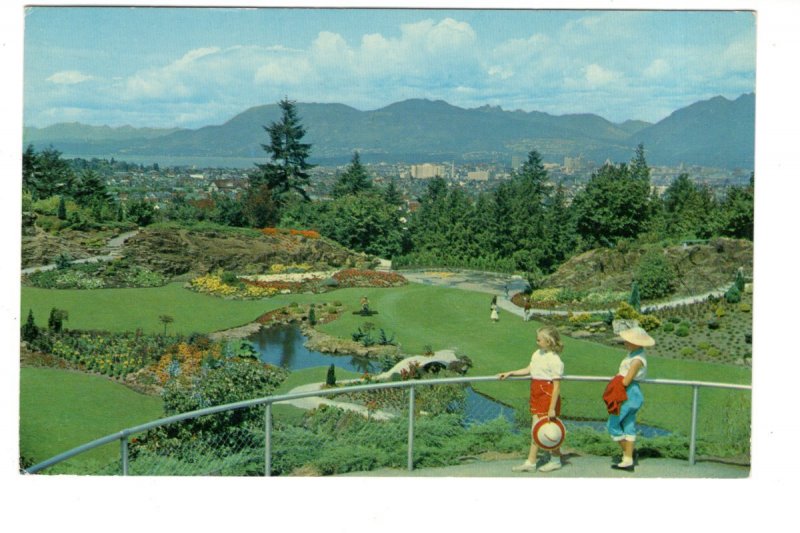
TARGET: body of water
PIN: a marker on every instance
(283, 345)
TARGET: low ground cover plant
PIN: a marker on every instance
(105, 275)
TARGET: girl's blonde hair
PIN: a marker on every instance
(552, 338)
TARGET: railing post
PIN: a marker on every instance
(693, 435)
(123, 452)
(268, 439)
(411, 428)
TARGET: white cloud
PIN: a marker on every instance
(657, 69)
(68, 77)
(598, 76)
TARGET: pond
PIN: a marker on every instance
(284, 345)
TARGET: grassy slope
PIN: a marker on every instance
(418, 315)
(60, 410)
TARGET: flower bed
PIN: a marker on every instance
(353, 277)
(265, 286)
(114, 355)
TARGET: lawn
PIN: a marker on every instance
(61, 409)
(419, 316)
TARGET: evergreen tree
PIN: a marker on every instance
(330, 377)
(62, 209)
(614, 205)
(635, 299)
(29, 331)
(355, 179)
(286, 173)
(55, 321)
(392, 195)
(736, 213)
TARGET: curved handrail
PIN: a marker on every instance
(123, 434)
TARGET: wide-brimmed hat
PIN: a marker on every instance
(637, 336)
(549, 433)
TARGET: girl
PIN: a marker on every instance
(546, 369)
(622, 427)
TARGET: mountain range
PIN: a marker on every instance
(714, 133)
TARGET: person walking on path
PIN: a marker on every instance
(622, 426)
(546, 370)
(527, 309)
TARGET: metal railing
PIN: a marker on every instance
(124, 435)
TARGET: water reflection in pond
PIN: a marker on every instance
(283, 345)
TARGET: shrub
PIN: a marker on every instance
(654, 276)
(682, 330)
(687, 351)
(733, 295)
(745, 308)
(713, 352)
(669, 327)
(649, 322)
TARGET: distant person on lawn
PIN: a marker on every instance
(493, 315)
(622, 426)
(546, 370)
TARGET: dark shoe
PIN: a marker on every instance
(629, 468)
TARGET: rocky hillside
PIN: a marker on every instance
(699, 267)
(174, 252)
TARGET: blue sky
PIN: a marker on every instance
(190, 67)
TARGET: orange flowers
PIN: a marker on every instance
(308, 233)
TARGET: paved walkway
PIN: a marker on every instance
(575, 466)
(506, 286)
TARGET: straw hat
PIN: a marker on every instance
(637, 336)
(549, 433)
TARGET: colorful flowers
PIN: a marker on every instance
(274, 232)
(353, 277)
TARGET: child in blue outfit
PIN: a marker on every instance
(622, 426)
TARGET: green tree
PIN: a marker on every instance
(689, 209)
(364, 222)
(45, 174)
(90, 189)
(55, 321)
(62, 209)
(29, 331)
(614, 205)
(391, 194)
(141, 212)
(330, 377)
(736, 213)
(635, 299)
(286, 172)
(354, 180)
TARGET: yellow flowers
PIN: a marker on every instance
(212, 284)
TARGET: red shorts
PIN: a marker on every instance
(541, 393)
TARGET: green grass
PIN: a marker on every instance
(119, 310)
(61, 409)
(418, 316)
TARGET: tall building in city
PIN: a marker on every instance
(427, 171)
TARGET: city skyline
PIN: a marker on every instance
(191, 67)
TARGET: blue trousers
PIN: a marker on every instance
(623, 425)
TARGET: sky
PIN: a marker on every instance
(191, 67)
